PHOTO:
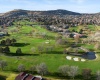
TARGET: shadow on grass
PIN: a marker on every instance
(14, 54)
(54, 52)
(2, 77)
(57, 75)
(97, 52)
(20, 44)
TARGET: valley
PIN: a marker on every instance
(53, 44)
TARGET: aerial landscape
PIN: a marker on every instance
(49, 40)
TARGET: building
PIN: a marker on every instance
(25, 76)
(2, 34)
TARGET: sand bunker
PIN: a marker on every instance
(68, 57)
(83, 60)
(75, 59)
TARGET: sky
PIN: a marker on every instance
(81, 6)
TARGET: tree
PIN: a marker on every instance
(86, 73)
(58, 37)
(44, 35)
(60, 42)
(18, 51)
(98, 75)
(48, 48)
(69, 49)
(3, 64)
(81, 31)
(63, 70)
(7, 34)
(33, 49)
(76, 50)
(40, 48)
(8, 42)
(73, 71)
(1, 49)
(33, 69)
(3, 42)
(97, 46)
(42, 69)
(21, 68)
(64, 51)
(6, 49)
(13, 41)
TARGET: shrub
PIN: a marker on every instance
(42, 69)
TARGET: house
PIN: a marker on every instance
(25, 76)
(2, 34)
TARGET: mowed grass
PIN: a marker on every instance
(53, 59)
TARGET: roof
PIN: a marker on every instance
(25, 76)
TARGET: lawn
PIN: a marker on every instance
(53, 59)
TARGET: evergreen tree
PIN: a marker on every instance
(18, 51)
(7, 49)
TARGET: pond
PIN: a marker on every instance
(89, 55)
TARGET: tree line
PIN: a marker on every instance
(6, 43)
(70, 20)
(65, 71)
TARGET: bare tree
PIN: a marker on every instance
(58, 37)
(63, 70)
(61, 42)
(33, 49)
(97, 46)
(98, 75)
(64, 51)
(73, 71)
(86, 73)
(44, 35)
(42, 69)
(33, 69)
(40, 48)
(3, 64)
(48, 48)
(1, 49)
(21, 68)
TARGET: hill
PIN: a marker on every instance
(14, 13)
(1, 14)
(20, 12)
(60, 12)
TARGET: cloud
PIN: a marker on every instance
(72, 5)
(17, 2)
(52, 1)
(78, 1)
(7, 5)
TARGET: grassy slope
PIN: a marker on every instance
(53, 59)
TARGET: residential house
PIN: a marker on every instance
(25, 76)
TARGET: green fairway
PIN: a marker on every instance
(31, 37)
